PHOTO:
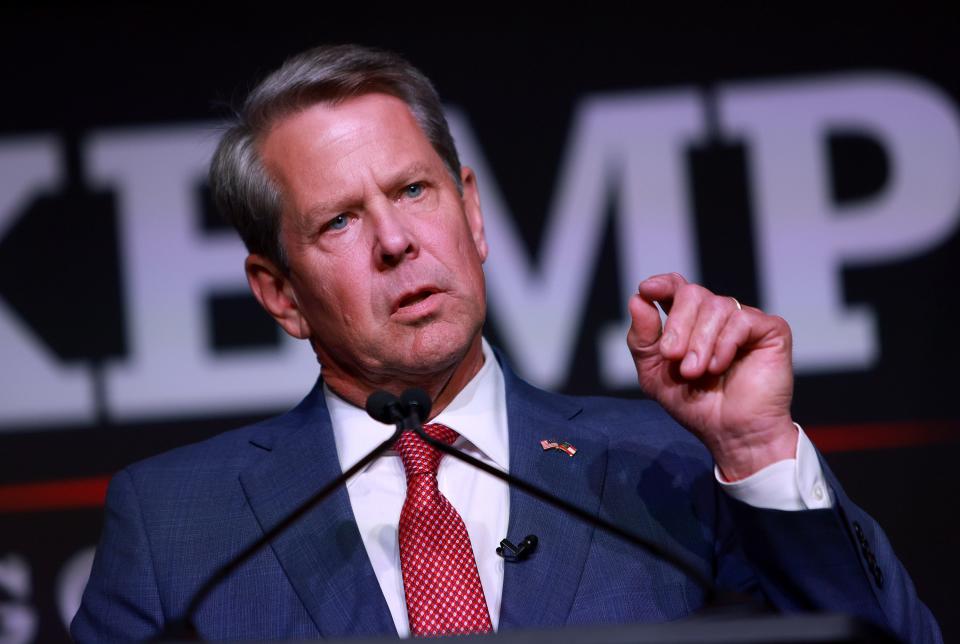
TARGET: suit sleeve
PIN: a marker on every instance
(121, 601)
(833, 560)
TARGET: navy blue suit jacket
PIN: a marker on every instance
(173, 519)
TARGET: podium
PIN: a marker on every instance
(763, 629)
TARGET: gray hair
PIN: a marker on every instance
(243, 191)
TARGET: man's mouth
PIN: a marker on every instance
(415, 297)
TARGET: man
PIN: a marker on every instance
(366, 238)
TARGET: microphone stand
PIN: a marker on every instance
(183, 628)
(714, 595)
(415, 407)
(409, 416)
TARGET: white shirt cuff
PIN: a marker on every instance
(790, 484)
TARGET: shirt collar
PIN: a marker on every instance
(477, 413)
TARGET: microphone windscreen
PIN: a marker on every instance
(383, 406)
(418, 402)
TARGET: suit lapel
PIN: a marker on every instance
(539, 591)
(322, 554)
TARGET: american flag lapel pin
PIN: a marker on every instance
(563, 446)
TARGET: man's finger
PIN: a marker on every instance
(645, 328)
(734, 335)
(711, 319)
(681, 321)
(748, 328)
(661, 289)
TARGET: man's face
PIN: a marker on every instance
(384, 254)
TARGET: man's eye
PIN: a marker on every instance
(413, 191)
(338, 223)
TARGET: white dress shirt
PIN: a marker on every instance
(479, 415)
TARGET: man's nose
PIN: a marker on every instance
(395, 238)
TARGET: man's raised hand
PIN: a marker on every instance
(722, 370)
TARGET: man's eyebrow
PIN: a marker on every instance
(334, 205)
(412, 171)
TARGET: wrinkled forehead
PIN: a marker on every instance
(332, 152)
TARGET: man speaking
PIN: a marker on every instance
(366, 239)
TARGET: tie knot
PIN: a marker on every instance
(418, 456)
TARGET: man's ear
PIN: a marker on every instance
(274, 290)
(471, 206)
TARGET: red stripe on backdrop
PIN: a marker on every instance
(852, 438)
(54, 495)
(91, 492)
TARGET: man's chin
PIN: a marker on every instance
(433, 360)
(435, 353)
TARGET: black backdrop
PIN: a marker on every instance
(889, 427)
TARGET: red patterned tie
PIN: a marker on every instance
(440, 578)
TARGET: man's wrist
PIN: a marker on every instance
(794, 484)
(746, 460)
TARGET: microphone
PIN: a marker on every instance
(409, 411)
(417, 404)
(520, 552)
(384, 407)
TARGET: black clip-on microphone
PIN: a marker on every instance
(519, 552)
